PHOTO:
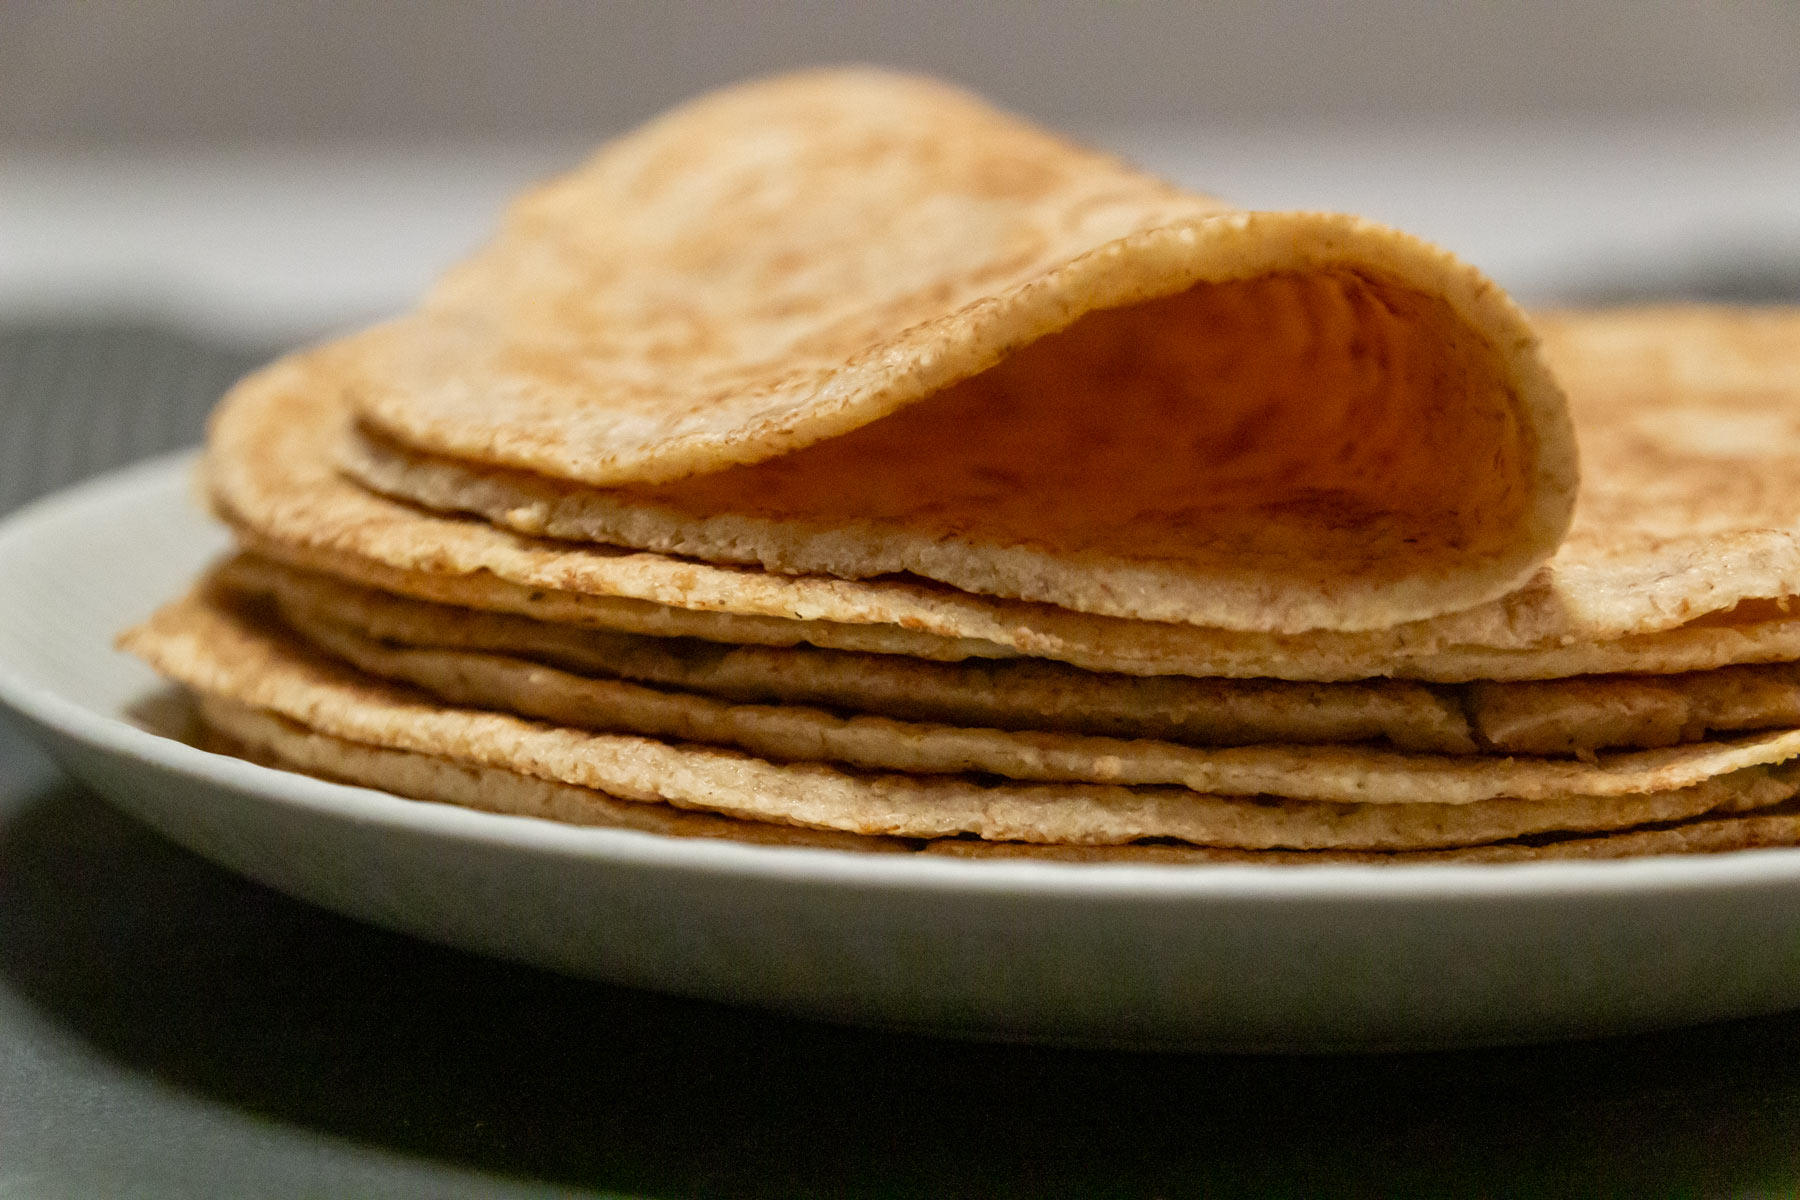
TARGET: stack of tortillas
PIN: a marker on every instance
(838, 461)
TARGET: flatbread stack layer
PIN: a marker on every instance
(838, 462)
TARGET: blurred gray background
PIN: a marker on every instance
(93, 71)
(259, 173)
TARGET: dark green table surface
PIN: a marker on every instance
(167, 1029)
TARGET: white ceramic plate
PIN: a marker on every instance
(1218, 957)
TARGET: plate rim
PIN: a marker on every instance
(119, 738)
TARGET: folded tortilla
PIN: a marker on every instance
(1683, 557)
(858, 324)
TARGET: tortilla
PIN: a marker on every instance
(1760, 829)
(221, 651)
(1011, 694)
(273, 741)
(853, 323)
(1568, 716)
(1688, 469)
(794, 733)
(1627, 593)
